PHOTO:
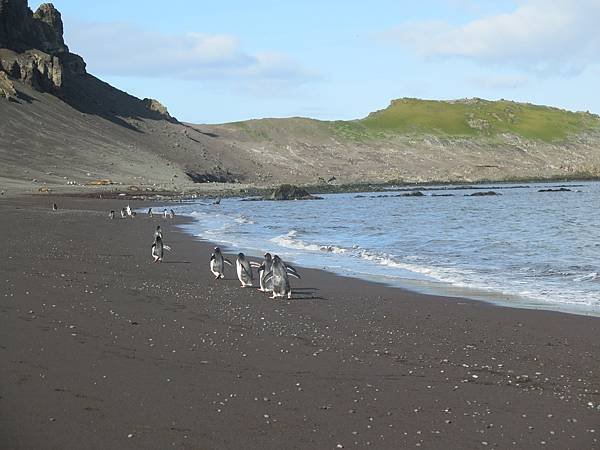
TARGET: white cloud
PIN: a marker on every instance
(500, 82)
(558, 36)
(122, 49)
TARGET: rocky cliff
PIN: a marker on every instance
(32, 48)
(33, 51)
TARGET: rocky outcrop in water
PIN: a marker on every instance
(290, 192)
(32, 49)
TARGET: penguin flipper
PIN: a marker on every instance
(255, 264)
(166, 247)
(248, 273)
(291, 270)
(268, 277)
(294, 274)
(226, 261)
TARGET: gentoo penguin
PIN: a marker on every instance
(171, 214)
(123, 213)
(278, 277)
(54, 206)
(128, 211)
(244, 271)
(158, 233)
(111, 214)
(157, 249)
(217, 263)
(164, 213)
(150, 212)
(263, 270)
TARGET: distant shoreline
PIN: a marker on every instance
(227, 190)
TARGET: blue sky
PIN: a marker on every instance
(211, 62)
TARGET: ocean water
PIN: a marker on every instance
(522, 248)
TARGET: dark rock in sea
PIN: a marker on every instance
(482, 194)
(414, 194)
(290, 192)
(442, 195)
(562, 189)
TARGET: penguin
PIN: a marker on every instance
(54, 206)
(263, 270)
(279, 279)
(244, 271)
(128, 211)
(123, 215)
(164, 213)
(111, 214)
(157, 249)
(150, 213)
(171, 214)
(217, 201)
(217, 263)
(158, 233)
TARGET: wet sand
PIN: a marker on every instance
(101, 348)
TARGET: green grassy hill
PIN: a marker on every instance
(459, 118)
(473, 117)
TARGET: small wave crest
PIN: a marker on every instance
(290, 240)
(589, 277)
(244, 220)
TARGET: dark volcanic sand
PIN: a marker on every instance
(102, 349)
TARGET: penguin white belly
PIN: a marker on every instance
(216, 269)
(243, 276)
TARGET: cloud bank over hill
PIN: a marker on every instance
(547, 38)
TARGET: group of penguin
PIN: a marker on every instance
(127, 212)
(273, 273)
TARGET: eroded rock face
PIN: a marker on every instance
(33, 67)
(157, 107)
(32, 48)
(50, 29)
(21, 29)
(7, 89)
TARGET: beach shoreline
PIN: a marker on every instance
(105, 349)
